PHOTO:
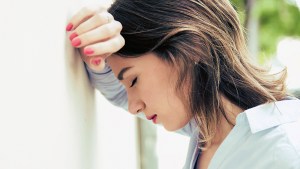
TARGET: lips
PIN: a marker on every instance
(151, 117)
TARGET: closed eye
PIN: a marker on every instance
(133, 82)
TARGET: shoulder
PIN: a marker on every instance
(275, 114)
(276, 127)
(287, 156)
(287, 151)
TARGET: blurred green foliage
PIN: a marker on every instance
(277, 19)
(240, 7)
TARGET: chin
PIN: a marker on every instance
(173, 127)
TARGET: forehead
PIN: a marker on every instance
(117, 62)
(143, 63)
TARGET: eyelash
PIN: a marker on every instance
(133, 82)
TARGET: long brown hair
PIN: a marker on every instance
(204, 40)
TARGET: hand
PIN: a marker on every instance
(95, 32)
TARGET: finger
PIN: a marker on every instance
(97, 20)
(83, 14)
(99, 34)
(89, 59)
(97, 63)
(110, 46)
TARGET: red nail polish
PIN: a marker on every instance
(96, 62)
(88, 51)
(73, 35)
(76, 42)
(69, 27)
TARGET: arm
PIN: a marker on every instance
(109, 86)
(96, 43)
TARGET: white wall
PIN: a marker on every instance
(48, 110)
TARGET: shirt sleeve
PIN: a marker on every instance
(109, 86)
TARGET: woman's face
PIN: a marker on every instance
(150, 85)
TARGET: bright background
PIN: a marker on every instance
(50, 117)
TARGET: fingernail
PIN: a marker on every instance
(88, 51)
(73, 35)
(69, 27)
(76, 42)
(96, 62)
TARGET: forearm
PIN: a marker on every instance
(109, 86)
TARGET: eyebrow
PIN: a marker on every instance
(121, 73)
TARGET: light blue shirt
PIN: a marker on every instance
(264, 137)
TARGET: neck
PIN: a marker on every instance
(231, 111)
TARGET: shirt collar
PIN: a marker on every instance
(273, 114)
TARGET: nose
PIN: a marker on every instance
(135, 105)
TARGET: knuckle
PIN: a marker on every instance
(102, 8)
(117, 43)
(122, 41)
(111, 17)
(118, 25)
(113, 29)
(98, 17)
(103, 17)
(108, 30)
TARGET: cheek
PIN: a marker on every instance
(175, 121)
(153, 91)
(176, 114)
(160, 97)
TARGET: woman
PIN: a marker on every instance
(184, 64)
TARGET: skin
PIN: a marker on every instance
(153, 90)
(153, 93)
(223, 130)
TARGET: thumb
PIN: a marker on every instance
(96, 63)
